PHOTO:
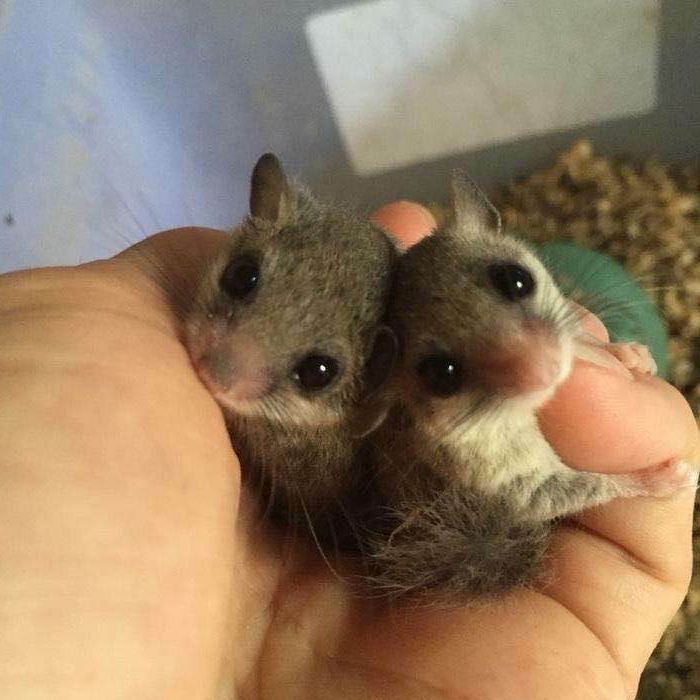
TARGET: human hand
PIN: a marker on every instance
(131, 565)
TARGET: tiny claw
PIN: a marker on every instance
(634, 356)
(591, 349)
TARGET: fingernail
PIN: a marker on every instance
(693, 472)
(588, 347)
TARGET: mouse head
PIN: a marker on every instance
(286, 321)
(481, 321)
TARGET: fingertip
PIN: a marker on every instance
(407, 222)
(602, 421)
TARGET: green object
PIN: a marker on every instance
(602, 286)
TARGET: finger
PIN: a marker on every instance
(524, 645)
(183, 250)
(168, 267)
(603, 421)
(407, 222)
(206, 240)
(624, 571)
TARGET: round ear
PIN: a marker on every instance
(381, 360)
(271, 197)
(373, 405)
(472, 210)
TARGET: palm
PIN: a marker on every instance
(160, 547)
(571, 642)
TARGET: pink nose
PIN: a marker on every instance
(233, 370)
(217, 368)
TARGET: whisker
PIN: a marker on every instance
(312, 530)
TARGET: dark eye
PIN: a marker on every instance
(315, 372)
(240, 277)
(441, 374)
(512, 282)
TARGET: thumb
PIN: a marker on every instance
(406, 222)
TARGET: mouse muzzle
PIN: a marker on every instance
(232, 369)
(532, 360)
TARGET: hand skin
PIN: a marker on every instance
(130, 566)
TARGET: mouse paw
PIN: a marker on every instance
(633, 356)
(661, 481)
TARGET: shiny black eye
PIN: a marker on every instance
(315, 372)
(512, 281)
(240, 277)
(441, 374)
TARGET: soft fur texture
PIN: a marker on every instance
(324, 277)
(469, 485)
(459, 542)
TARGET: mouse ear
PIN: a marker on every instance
(381, 360)
(471, 208)
(271, 198)
(372, 408)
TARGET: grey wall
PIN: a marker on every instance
(118, 119)
(302, 129)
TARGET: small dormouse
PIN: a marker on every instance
(467, 487)
(286, 334)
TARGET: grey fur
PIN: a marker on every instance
(461, 542)
(467, 488)
(324, 277)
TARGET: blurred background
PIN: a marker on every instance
(581, 118)
(130, 116)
